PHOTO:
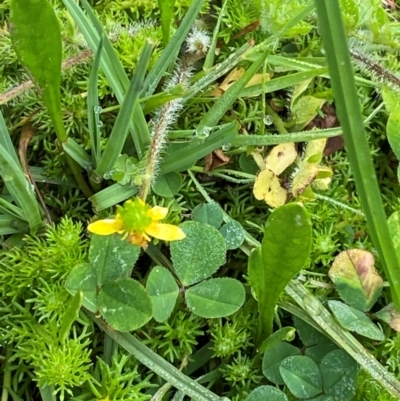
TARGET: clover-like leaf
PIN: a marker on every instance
(339, 374)
(83, 278)
(214, 298)
(356, 278)
(124, 304)
(209, 213)
(302, 376)
(264, 393)
(112, 257)
(354, 320)
(272, 359)
(168, 185)
(200, 254)
(163, 292)
(233, 233)
(390, 315)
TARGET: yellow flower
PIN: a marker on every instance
(139, 222)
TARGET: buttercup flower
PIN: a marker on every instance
(138, 222)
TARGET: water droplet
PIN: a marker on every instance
(97, 109)
(226, 147)
(202, 132)
(99, 123)
(268, 120)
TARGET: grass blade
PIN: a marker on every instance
(166, 11)
(112, 67)
(349, 112)
(93, 107)
(112, 195)
(198, 148)
(171, 50)
(20, 189)
(120, 129)
(157, 364)
(216, 112)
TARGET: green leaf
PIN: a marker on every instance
(122, 123)
(317, 344)
(305, 109)
(166, 11)
(272, 359)
(112, 257)
(287, 242)
(356, 141)
(214, 298)
(389, 315)
(93, 108)
(170, 53)
(158, 365)
(284, 334)
(264, 393)
(36, 38)
(70, 315)
(163, 291)
(168, 185)
(354, 320)
(233, 233)
(112, 195)
(20, 189)
(394, 225)
(339, 374)
(197, 148)
(200, 254)
(356, 278)
(223, 104)
(350, 13)
(83, 278)
(302, 376)
(124, 304)
(208, 213)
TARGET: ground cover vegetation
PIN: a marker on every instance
(199, 199)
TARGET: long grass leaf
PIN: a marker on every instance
(359, 153)
(171, 50)
(157, 364)
(112, 195)
(20, 189)
(93, 108)
(198, 148)
(223, 104)
(120, 129)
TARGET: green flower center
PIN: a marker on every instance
(134, 215)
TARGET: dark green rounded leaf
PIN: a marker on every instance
(247, 164)
(266, 393)
(209, 213)
(233, 233)
(272, 359)
(83, 278)
(215, 298)
(200, 254)
(112, 257)
(163, 292)
(125, 304)
(302, 376)
(339, 374)
(168, 185)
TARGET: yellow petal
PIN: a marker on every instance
(166, 232)
(157, 212)
(104, 227)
